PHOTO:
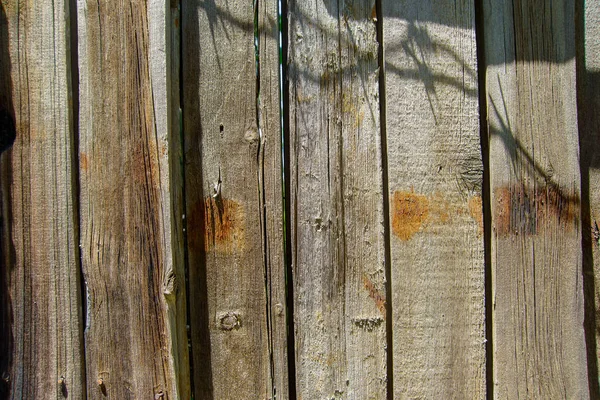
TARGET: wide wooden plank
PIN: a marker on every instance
(336, 195)
(41, 343)
(130, 205)
(435, 182)
(233, 198)
(538, 337)
(588, 103)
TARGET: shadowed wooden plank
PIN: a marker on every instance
(435, 182)
(538, 337)
(336, 201)
(41, 343)
(130, 204)
(234, 200)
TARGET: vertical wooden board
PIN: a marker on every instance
(129, 217)
(538, 337)
(435, 183)
(40, 294)
(271, 185)
(336, 201)
(225, 176)
(588, 103)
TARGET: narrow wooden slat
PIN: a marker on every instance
(588, 103)
(270, 170)
(435, 181)
(233, 200)
(41, 341)
(336, 201)
(130, 212)
(538, 336)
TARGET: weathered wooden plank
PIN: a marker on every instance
(233, 200)
(41, 351)
(336, 197)
(435, 180)
(538, 337)
(130, 202)
(588, 102)
(270, 182)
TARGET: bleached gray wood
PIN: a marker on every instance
(538, 337)
(336, 197)
(41, 345)
(233, 200)
(130, 202)
(435, 179)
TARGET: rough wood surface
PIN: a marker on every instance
(41, 346)
(538, 338)
(130, 220)
(271, 185)
(588, 103)
(233, 200)
(435, 180)
(336, 201)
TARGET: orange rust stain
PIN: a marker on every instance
(216, 224)
(410, 212)
(476, 211)
(376, 295)
(526, 211)
(83, 162)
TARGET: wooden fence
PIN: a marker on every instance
(318, 199)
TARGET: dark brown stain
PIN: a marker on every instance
(216, 223)
(521, 210)
(410, 212)
(376, 295)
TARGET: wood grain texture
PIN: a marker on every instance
(336, 201)
(435, 180)
(130, 212)
(233, 200)
(588, 103)
(538, 337)
(271, 185)
(41, 340)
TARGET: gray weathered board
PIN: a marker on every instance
(435, 196)
(538, 338)
(131, 243)
(233, 199)
(41, 347)
(336, 201)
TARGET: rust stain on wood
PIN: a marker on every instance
(83, 162)
(476, 210)
(217, 224)
(521, 210)
(376, 295)
(411, 210)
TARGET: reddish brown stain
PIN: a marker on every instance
(216, 223)
(476, 210)
(521, 210)
(375, 294)
(410, 212)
